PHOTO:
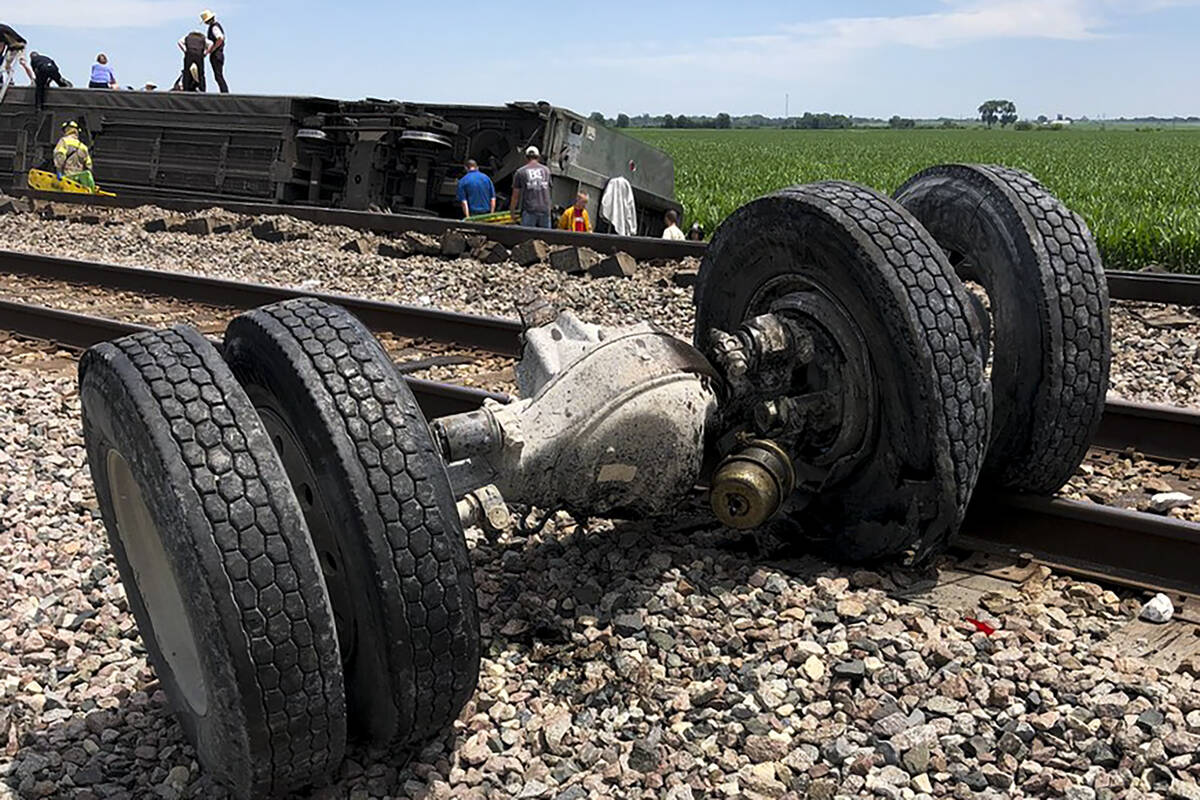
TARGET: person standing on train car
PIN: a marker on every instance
(216, 48)
(102, 74)
(12, 50)
(193, 46)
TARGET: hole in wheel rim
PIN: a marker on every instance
(155, 579)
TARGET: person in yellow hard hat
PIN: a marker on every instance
(216, 48)
(72, 159)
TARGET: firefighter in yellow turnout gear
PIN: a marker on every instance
(72, 159)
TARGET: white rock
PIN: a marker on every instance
(1158, 609)
(1165, 501)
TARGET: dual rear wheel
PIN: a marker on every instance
(1003, 388)
(288, 540)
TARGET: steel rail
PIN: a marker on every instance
(1165, 432)
(1152, 287)
(74, 331)
(1144, 551)
(1155, 287)
(1161, 431)
(492, 334)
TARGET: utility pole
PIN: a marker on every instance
(787, 106)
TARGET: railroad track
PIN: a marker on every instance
(1142, 286)
(491, 334)
(1162, 431)
(1100, 542)
(75, 331)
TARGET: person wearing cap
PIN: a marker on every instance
(531, 191)
(102, 74)
(45, 72)
(193, 47)
(71, 157)
(12, 50)
(216, 48)
(476, 193)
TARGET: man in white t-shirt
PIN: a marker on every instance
(672, 231)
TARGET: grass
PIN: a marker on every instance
(1138, 190)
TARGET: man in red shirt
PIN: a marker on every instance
(575, 218)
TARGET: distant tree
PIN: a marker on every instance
(1042, 119)
(901, 122)
(668, 121)
(1024, 125)
(1008, 112)
(811, 121)
(598, 118)
(683, 122)
(724, 120)
(989, 112)
(622, 120)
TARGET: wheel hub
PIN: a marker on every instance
(798, 375)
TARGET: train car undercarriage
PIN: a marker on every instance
(358, 155)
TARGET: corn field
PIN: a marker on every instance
(1138, 190)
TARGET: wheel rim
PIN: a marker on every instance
(304, 482)
(161, 596)
(840, 367)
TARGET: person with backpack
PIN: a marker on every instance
(193, 46)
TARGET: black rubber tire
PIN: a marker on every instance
(896, 284)
(218, 509)
(1050, 314)
(391, 517)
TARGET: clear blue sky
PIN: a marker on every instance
(922, 58)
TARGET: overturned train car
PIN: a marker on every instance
(363, 154)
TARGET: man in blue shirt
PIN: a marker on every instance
(476, 192)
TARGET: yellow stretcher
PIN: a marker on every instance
(497, 218)
(43, 181)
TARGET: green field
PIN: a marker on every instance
(1138, 190)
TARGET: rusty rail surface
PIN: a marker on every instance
(492, 334)
(73, 331)
(1146, 286)
(1165, 432)
(1144, 551)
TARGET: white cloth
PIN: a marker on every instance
(617, 207)
(674, 234)
(11, 56)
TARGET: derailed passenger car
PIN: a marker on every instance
(362, 154)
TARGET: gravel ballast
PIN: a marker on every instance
(621, 660)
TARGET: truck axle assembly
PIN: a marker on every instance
(289, 527)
